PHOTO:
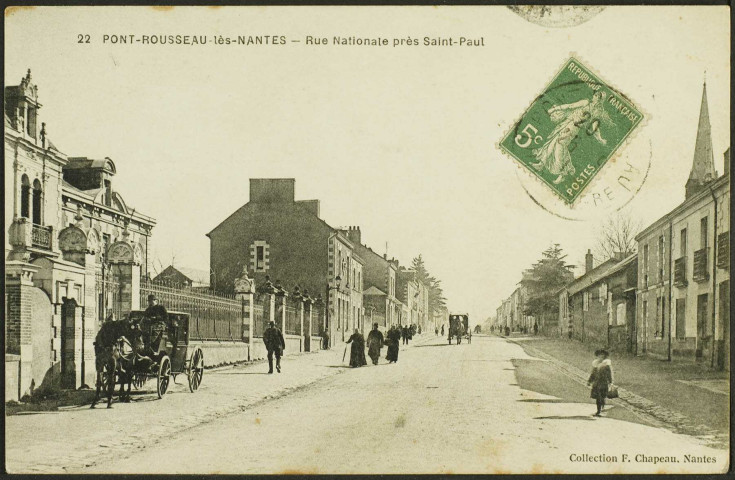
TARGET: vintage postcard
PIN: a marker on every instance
(367, 240)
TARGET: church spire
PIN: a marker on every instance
(703, 165)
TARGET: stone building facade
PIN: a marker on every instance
(683, 267)
(379, 280)
(599, 306)
(276, 236)
(70, 237)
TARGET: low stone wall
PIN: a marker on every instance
(222, 353)
(315, 344)
(12, 370)
(294, 344)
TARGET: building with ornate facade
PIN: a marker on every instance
(683, 290)
(71, 242)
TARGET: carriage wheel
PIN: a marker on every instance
(164, 374)
(196, 370)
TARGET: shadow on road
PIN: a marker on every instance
(542, 377)
(562, 417)
(543, 400)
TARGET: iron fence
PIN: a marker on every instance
(213, 316)
(317, 319)
(108, 294)
(293, 320)
(260, 316)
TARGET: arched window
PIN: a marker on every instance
(25, 194)
(37, 192)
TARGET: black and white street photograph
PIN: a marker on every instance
(312, 240)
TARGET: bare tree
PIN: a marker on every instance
(617, 234)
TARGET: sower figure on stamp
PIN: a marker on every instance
(375, 343)
(274, 343)
(554, 155)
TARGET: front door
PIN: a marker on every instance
(68, 343)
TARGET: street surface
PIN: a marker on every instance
(486, 407)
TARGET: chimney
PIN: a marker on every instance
(272, 190)
(588, 261)
(727, 161)
(354, 235)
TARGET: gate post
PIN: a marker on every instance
(18, 283)
(244, 290)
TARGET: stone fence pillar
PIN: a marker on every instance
(19, 310)
(245, 291)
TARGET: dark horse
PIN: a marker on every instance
(116, 348)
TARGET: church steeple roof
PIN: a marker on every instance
(703, 164)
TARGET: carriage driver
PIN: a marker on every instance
(156, 316)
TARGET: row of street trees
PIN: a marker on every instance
(436, 294)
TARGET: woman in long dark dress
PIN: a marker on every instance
(394, 340)
(357, 352)
(600, 379)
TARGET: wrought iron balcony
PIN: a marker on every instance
(700, 265)
(41, 237)
(723, 250)
(680, 272)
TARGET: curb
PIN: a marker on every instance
(650, 411)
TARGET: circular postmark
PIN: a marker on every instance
(612, 187)
(557, 16)
(618, 183)
(571, 146)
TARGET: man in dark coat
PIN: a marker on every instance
(274, 343)
(155, 326)
(404, 334)
(394, 341)
(357, 352)
(375, 343)
(325, 339)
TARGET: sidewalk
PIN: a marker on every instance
(77, 436)
(685, 397)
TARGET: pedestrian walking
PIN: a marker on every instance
(394, 341)
(325, 339)
(600, 379)
(442, 330)
(375, 343)
(274, 343)
(404, 334)
(357, 353)
(535, 328)
(436, 332)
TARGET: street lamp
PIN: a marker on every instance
(337, 284)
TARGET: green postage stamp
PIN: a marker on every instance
(571, 130)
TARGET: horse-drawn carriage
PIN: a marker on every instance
(459, 325)
(140, 348)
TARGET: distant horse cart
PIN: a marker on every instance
(139, 349)
(459, 325)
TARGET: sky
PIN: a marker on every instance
(400, 141)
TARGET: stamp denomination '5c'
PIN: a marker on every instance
(571, 130)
